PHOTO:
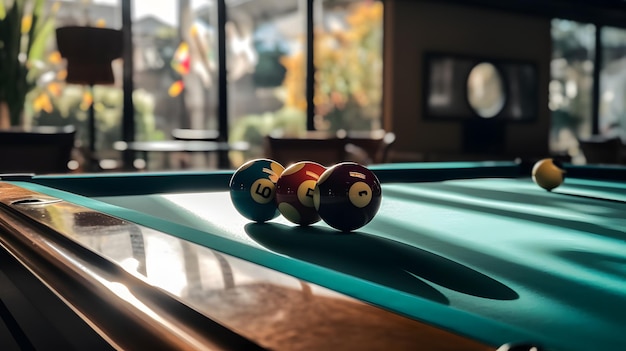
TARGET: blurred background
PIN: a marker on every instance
(369, 72)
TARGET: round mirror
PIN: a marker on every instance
(485, 90)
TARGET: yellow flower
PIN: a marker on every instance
(54, 88)
(176, 88)
(27, 22)
(294, 81)
(87, 101)
(62, 74)
(55, 57)
(42, 102)
(181, 60)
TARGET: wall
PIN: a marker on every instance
(413, 27)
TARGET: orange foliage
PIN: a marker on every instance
(348, 63)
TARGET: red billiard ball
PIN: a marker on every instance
(294, 192)
(347, 196)
(253, 189)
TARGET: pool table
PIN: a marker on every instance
(461, 256)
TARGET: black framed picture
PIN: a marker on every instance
(458, 87)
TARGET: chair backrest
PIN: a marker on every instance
(369, 147)
(365, 147)
(38, 150)
(601, 150)
(286, 151)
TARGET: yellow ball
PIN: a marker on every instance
(547, 175)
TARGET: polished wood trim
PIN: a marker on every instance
(125, 310)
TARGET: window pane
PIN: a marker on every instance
(175, 67)
(570, 89)
(348, 62)
(265, 53)
(613, 83)
(53, 101)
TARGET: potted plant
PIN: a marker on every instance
(24, 33)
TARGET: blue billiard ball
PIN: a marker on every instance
(253, 188)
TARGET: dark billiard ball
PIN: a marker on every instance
(253, 188)
(294, 192)
(547, 174)
(347, 196)
(520, 347)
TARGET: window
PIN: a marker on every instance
(348, 63)
(267, 72)
(571, 85)
(176, 70)
(265, 53)
(53, 101)
(175, 67)
(612, 113)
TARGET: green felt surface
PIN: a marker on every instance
(496, 259)
(562, 253)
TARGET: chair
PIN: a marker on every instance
(38, 150)
(287, 150)
(602, 150)
(364, 147)
(369, 147)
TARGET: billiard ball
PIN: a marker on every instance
(520, 347)
(253, 189)
(347, 196)
(547, 174)
(294, 192)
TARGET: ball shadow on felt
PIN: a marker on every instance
(382, 261)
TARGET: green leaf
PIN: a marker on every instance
(38, 8)
(37, 15)
(38, 42)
